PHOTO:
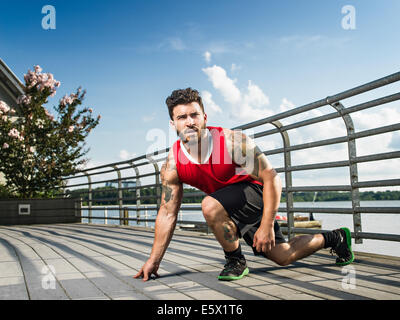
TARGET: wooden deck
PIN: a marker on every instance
(80, 261)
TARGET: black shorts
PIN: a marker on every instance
(243, 202)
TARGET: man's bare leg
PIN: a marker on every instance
(225, 232)
(297, 248)
(218, 220)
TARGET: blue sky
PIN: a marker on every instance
(129, 56)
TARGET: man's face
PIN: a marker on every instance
(189, 122)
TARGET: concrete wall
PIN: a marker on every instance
(42, 211)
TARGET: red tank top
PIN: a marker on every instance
(216, 172)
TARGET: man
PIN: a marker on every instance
(243, 194)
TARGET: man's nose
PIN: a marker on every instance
(189, 121)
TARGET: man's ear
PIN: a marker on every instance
(171, 122)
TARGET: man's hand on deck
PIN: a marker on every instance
(264, 239)
(147, 270)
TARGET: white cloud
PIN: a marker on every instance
(207, 56)
(172, 43)
(125, 155)
(286, 105)
(225, 85)
(255, 97)
(244, 107)
(209, 103)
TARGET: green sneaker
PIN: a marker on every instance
(234, 269)
(342, 249)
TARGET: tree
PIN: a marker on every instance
(38, 148)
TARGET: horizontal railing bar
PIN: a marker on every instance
(372, 103)
(317, 188)
(329, 100)
(375, 131)
(320, 210)
(329, 116)
(115, 190)
(378, 209)
(343, 163)
(114, 179)
(377, 183)
(379, 236)
(116, 163)
(142, 220)
(134, 208)
(145, 156)
(376, 157)
(120, 199)
(323, 165)
(113, 170)
(97, 173)
(343, 139)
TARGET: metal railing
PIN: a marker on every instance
(132, 198)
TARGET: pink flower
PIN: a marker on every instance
(49, 115)
(4, 108)
(14, 133)
(24, 99)
(5, 145)
(31, 149)
(67, 100)
(41, 80)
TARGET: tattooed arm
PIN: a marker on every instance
(171, 199)
(249, 157)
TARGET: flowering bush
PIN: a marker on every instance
(37, 147)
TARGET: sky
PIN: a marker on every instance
(249, 59)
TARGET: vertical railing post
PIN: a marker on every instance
(120, 203)
(355, 193)
(288, 178)
(89, 196)
(137, 189)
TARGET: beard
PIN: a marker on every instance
(192, 135)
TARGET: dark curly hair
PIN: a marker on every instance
(183, 96)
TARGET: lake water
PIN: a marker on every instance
(375, 223)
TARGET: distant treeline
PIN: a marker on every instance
(109, 196)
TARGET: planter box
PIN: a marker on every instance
(39, 211)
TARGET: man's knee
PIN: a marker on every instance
(281, 255)
(210, 207)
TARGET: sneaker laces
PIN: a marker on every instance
(231, 263)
